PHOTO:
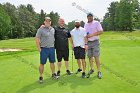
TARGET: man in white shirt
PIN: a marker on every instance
(79, 44)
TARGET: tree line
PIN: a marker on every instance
(22, 21)
(122, 16)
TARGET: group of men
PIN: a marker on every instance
(83, 40)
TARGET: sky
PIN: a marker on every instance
(67, 9)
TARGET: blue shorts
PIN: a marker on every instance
(47, 53)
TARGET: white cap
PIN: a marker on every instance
(77, 21)
(47, 18)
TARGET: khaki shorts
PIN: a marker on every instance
(93, 48)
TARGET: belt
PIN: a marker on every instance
(94, 40)
(78, 46)
(47, 47)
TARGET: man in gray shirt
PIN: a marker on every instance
(45, 44)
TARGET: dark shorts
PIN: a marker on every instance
(62, 54)
(47, 53)
(79, 53)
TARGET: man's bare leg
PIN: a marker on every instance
(84, 65)
(67, 68)
(79, 66)
(79, 63)
(91, 66)
(41, 69)
(67, 65)
(84, 68)
(59, 64)
(91, 62)
(97, 60)
(52, 66)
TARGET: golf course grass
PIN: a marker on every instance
(120, 66)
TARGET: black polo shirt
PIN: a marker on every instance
(61, 38)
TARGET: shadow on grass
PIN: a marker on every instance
(73, 81)
(36, 84)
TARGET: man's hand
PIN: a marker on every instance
(72, 46)
(42, 26)
(90, 35)
(94, 34)
(39, 50)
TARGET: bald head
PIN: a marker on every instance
(61, 22)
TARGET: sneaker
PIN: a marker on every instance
(41, 79)
(91, 71)
(83, 75)
(68, 72)
(79, 70)
(58, 73)
(54, 76)
(99, 75)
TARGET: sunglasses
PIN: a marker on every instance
(47, 20)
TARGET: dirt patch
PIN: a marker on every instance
(9, 49)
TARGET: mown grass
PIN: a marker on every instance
(120, 62)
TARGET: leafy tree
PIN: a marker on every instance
(54, 18)
(82, 23)
(123, 15)
(4, 23)
(41, 18)
(71, 25)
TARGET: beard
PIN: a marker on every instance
(90, 20)
(77, 26)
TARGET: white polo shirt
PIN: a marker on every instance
(78, 36)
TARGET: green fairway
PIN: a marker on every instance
(120, 66)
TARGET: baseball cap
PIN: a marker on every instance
(77, 21)
(89, 14)
(47, 18)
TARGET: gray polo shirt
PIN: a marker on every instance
(46, 36)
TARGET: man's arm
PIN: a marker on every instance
(99, 30)
(70, 38)
(42, 26)
(71, 41)
(95, 34)
(38, 44)
(86, 45)
(86, 39)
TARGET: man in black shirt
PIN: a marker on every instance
(62, 45)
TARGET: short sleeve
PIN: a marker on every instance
(84, 32)
(53, 30)
(99, 26)
(38, 34)
(71, 32)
